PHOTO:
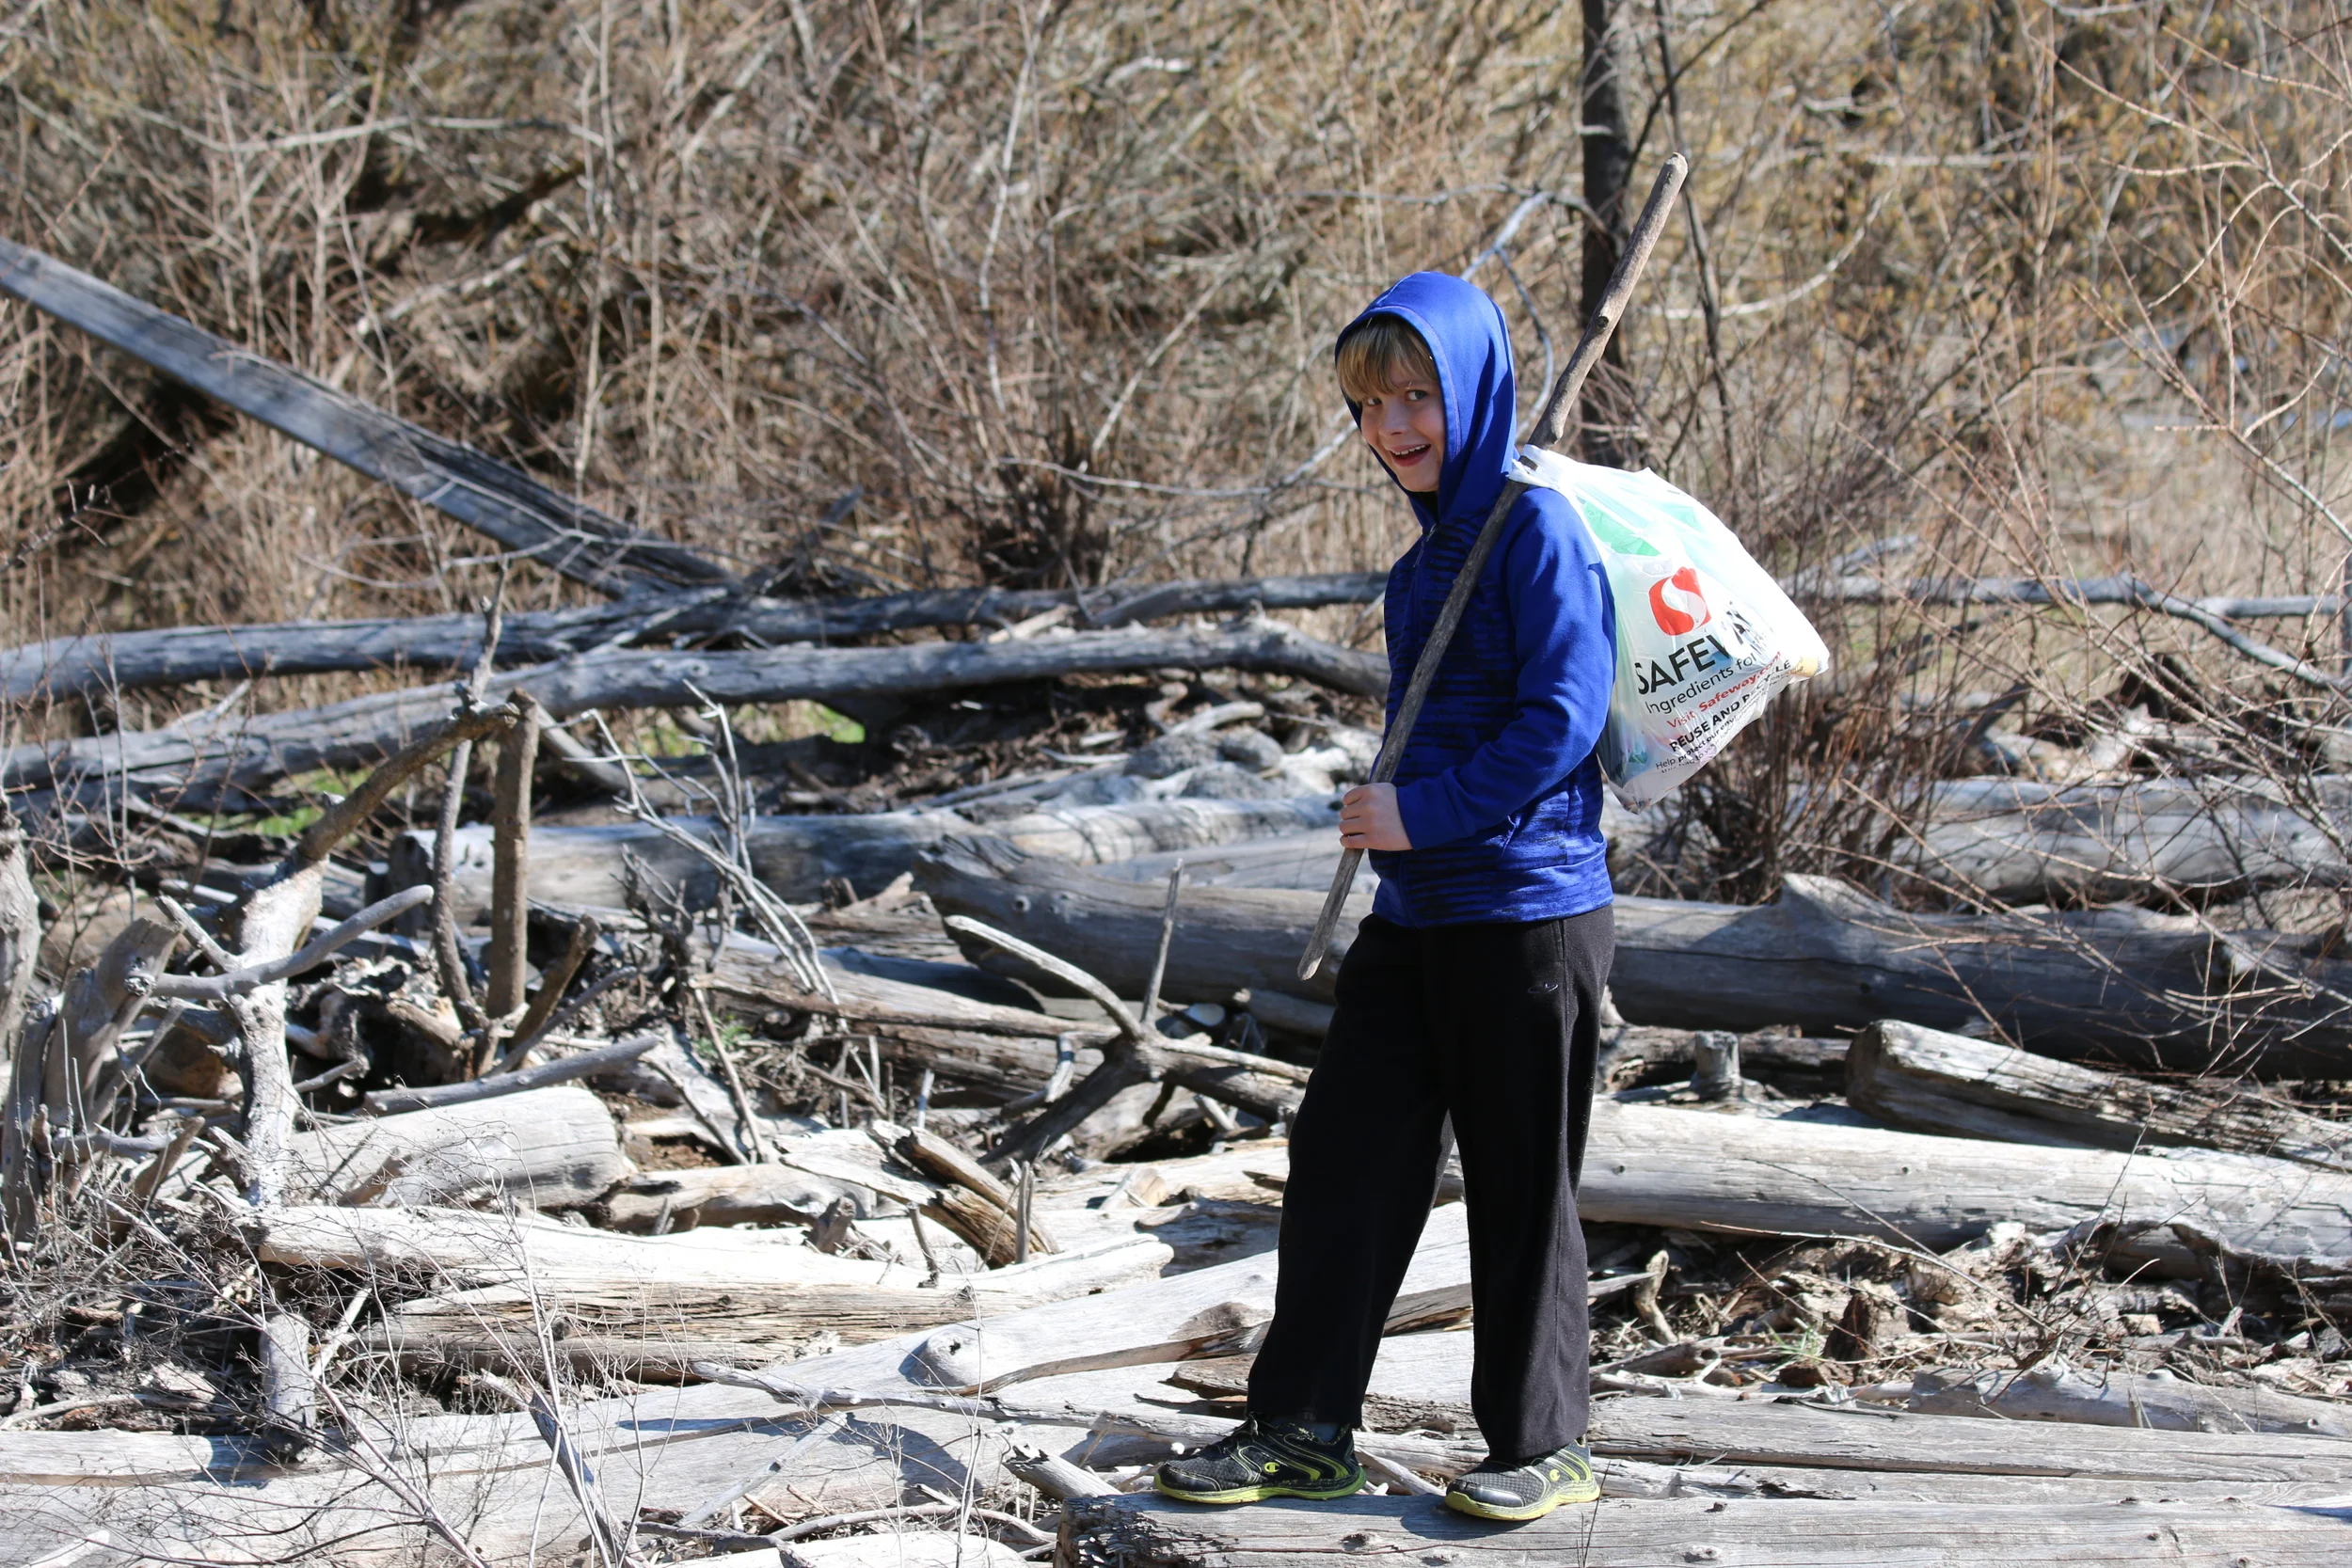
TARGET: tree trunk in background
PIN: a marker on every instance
(1607, 415)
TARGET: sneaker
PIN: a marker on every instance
(1527, 1491)
(1263, 1458)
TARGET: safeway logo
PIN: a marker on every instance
(1679, 603)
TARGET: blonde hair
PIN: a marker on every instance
(1378, 353)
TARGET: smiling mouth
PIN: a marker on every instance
(1410, 455)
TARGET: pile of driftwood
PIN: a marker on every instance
(895, 1226)
(774, 1158)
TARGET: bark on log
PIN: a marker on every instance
(252, 751)
(2128, 986)
(1117, 1532)
(561, 533)
(1932, 1082)
(582, 867)
(1757, 1175)
(177, 656)
(549, 1148)
(2053, 1391)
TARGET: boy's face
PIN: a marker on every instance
(1405, 427)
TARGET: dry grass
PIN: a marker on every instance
(874, 295)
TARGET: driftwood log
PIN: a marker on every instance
(657, 1303)
(550, 1147)
(584, 868)
(1115, 1532)
(1932, 1082)
(1759, 1174)
(251, 750)
(176, 655)
(2130, 986)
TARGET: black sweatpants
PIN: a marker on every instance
(1496, 1026)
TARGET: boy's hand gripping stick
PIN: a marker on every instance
(1549, 431)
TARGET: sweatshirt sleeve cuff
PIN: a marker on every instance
(1423, 811)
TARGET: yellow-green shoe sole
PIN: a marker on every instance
(1462, 1503)
(1260, 1493)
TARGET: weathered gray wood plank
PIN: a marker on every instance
(1119, 1532)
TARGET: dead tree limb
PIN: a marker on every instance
(216, 987)
(178, 655)
(2211, 615)
(561, 532)
(562, 1069)
(550, 996)
(509, 860)
(250, 751)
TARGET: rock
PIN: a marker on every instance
(1252, 749)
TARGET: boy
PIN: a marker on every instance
(1473, 990)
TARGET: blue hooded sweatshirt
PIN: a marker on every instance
(1499, 787)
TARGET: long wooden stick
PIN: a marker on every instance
(1548, 432)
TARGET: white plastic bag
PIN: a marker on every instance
(1705, 636)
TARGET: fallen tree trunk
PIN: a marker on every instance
(2130, 986)
(250, 751)
(584, 868)
(1757, 1175)
(550, 1147)
(177, 656)
(561, 533)
(1114, 1532)
(1932, 1082)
